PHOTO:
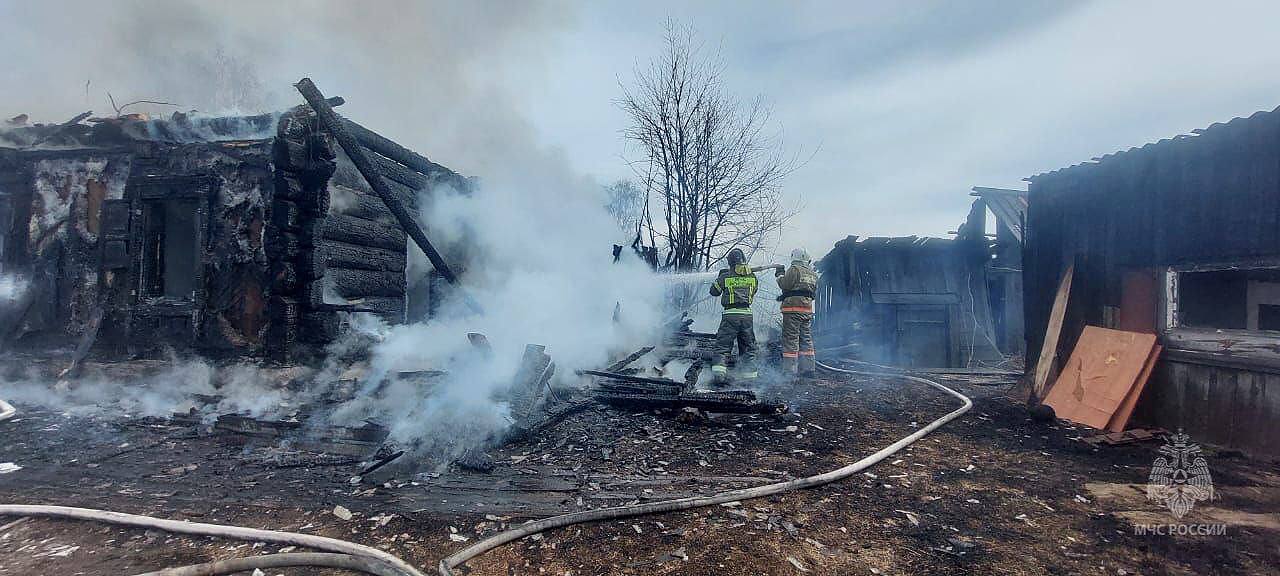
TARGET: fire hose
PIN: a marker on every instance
(364, 558)
(352, 556)
(459, 558)
(284, 560)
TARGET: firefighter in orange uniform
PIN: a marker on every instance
(798, 283)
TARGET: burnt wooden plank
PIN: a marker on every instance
(353, 256)
(412, 180)
(390, 149)
(354, 283)
(353, 202)
(363, 232)
(320, 326)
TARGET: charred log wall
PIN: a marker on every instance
(304, 162)
(230, 186)
(365, 249)
(77, 226)
(53, 202)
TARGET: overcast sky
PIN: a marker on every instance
(903, 105)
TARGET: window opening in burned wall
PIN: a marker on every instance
(1234, 298)
(168, 232)
(171, 248)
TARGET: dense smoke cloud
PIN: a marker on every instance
(427, 74)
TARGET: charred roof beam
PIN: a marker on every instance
(359, 157)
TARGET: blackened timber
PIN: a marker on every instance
(390, 307)
(320, 326)
(343, 255)
(630, 378)
(287, 215)
(534, 371)
(310, 200)
(735, 401)
(551, 416)
(366, 282)
(347, 175)
(59, 129)
(312, 264)
(285, 246)
(386, 147)
(354, 230)
(619, 365)
(370, 173)
(397, 173)
(286, 279)
(356, 203)
(607, 385)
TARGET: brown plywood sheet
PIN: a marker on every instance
(1102, 370)
(1121, 418)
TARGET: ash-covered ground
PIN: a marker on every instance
(990, 493)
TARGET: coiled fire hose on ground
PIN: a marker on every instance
(457, 559)
(362, 558)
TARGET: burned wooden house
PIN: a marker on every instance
(243, 236)
(1179, 238)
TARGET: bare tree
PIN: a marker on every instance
(705, 159)
(624, 200)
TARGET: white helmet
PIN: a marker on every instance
(799, 255)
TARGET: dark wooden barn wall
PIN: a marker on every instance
(1202, 200)
(1209, 198)
(836, 304)
(1217, 404)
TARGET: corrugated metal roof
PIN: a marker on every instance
(1261, 115)
(1010, 206)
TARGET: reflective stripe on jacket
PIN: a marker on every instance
(736, 289)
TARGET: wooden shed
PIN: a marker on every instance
(907, 301)
(1180, 238)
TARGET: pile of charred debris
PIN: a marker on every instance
(536, 404)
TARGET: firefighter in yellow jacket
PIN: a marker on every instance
(798, 283)
(736, 286)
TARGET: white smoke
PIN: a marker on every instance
(160, 390)
(440, 77)
(12, 287)
(537, 245)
